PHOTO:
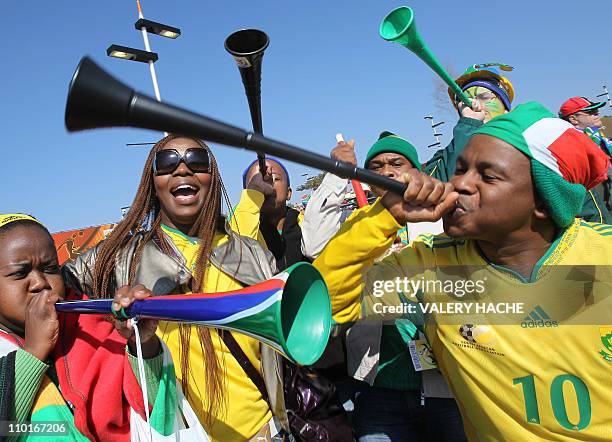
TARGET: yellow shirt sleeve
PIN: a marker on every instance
(245, 218)
(365, 235)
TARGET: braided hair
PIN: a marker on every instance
(144, 217)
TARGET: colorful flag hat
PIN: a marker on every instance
(564, 161)
(389, 142)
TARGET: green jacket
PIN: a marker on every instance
(597, 206)
(442, 165)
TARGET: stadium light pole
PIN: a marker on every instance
(145, 38)
(146, 56)
(606, 94)
(435, 132)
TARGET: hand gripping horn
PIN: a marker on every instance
(96, 99)
(290, 312)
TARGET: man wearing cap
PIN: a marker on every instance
(392, 156)
(491, 94)
(583, 114)
(510, 216)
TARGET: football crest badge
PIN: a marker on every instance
(606, 339)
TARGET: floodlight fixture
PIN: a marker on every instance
(157, 28)
(133, 54)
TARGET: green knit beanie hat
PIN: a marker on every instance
(564, 161)
(389, 142)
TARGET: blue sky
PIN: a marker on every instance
(326, 71)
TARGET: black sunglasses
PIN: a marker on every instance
(167, 160)
(591, 111)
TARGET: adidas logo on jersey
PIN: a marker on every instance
(538, 318)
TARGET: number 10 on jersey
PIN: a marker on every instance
(557, 400)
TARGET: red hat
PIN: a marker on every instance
(577, 104)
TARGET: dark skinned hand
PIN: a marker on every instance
(425, 199)
(41, 325)
(124, 297)
(262, 184)
(345, 152)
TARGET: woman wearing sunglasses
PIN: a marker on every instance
(173, 240)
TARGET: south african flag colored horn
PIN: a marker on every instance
(290, 312)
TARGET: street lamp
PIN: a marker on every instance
(133, 54)
(157, 28)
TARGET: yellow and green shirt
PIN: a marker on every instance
(543, 374)
(245, 411)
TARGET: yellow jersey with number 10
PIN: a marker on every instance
(541, 367)
(542, 374)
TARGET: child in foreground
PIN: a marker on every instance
(71, 369)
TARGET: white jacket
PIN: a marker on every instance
(322, 215)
